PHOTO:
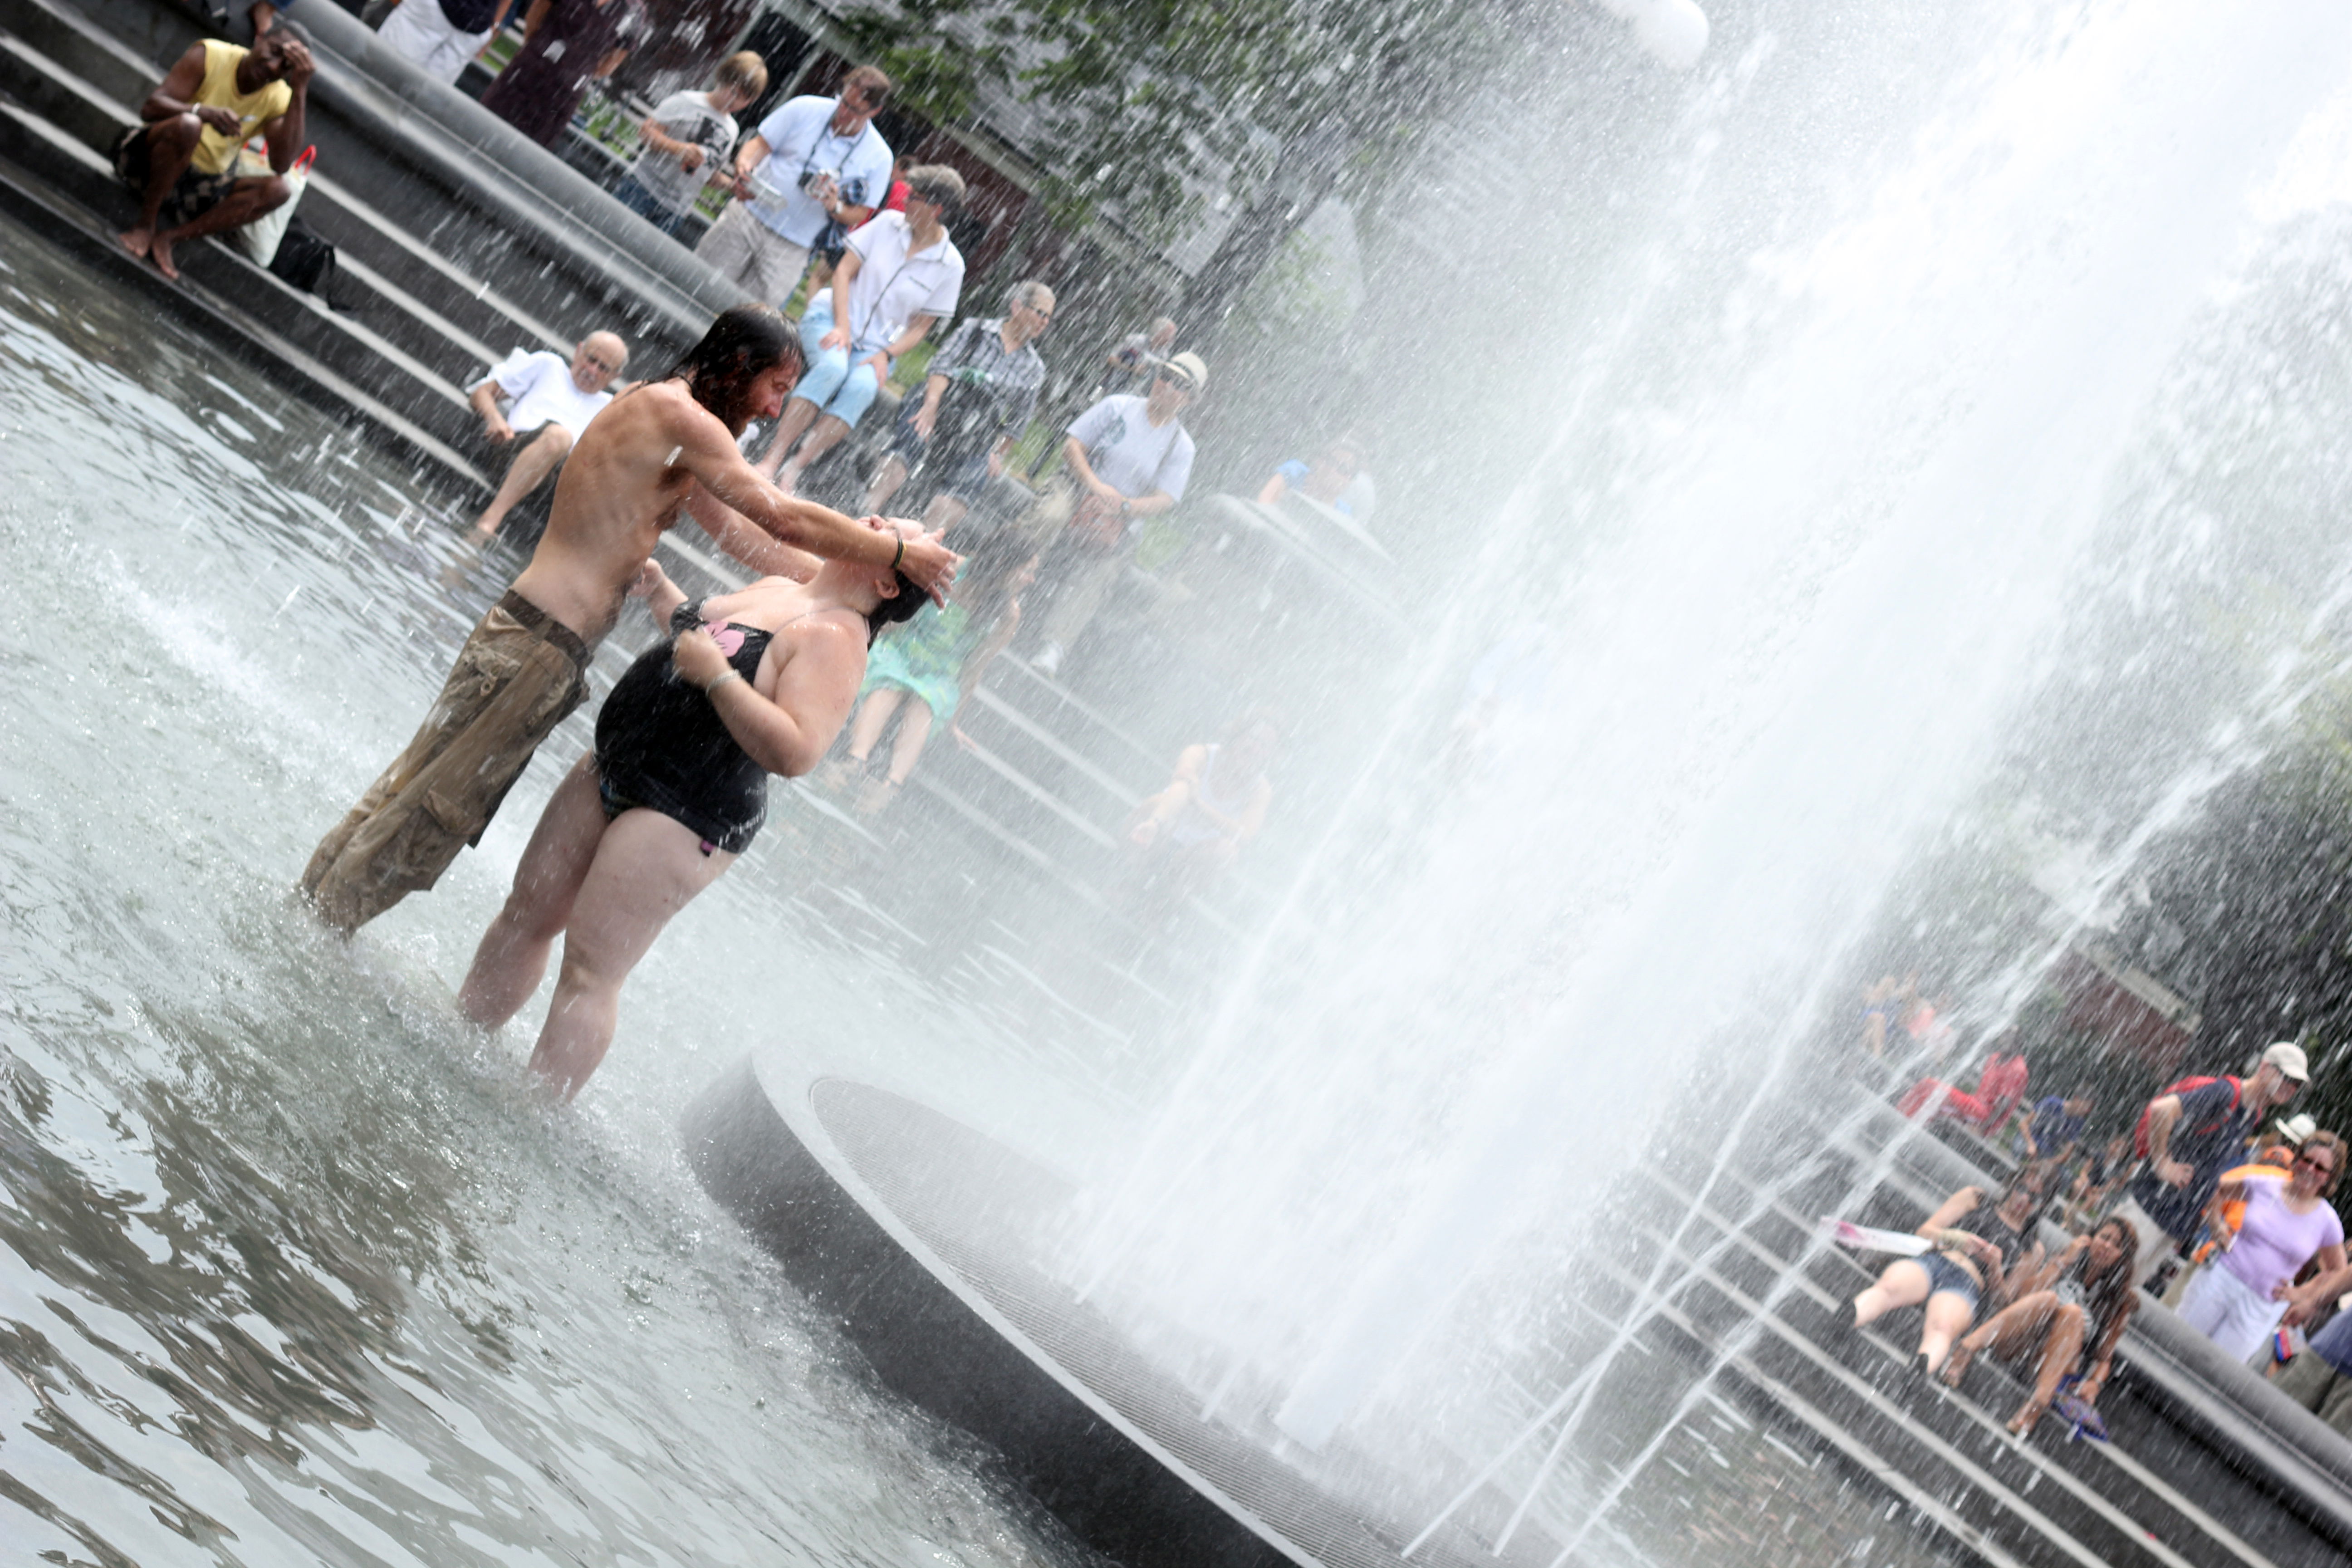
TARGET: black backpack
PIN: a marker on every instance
(305, 260)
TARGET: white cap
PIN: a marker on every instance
(2295, 1129)
(2288, 1057)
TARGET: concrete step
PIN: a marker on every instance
(2202, 1460)
(408, 362)
(221, 314)
(466, 258)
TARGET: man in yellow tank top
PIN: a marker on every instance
(180, 161)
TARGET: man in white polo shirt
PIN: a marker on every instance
(815, 162)
(1130, 458)
(546, 395)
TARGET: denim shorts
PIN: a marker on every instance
(1946, 1278)
(830, 382)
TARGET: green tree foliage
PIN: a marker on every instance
(1155, 109)
(2262, 886)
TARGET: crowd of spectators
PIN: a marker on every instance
(2216, 1202)
(819, 216)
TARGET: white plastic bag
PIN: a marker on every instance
(258, 239)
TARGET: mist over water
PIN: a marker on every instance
(1854, 449)
(293, 1269)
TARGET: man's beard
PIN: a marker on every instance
(728, 398)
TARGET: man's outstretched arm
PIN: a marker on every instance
(736, 534)
(713, 460)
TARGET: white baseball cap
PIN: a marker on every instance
(2288, 1057)
(2295, 1129)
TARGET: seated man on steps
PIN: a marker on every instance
(546, 395)
(180, 161)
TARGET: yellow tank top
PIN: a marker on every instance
(215, 152)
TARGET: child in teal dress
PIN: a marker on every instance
(938, 658)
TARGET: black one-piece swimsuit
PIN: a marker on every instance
(661, 744)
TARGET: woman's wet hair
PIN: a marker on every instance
(904, 607)
(743, 344)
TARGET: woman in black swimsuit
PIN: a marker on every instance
(749, 683)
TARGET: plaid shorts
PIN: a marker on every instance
(191, 196)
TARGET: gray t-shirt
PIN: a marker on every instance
(688, 117)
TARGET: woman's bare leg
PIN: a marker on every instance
(908, 749)
(1948, 1316)
(887, 479)
(2060, 1351)
(513, 952)
(1902, 1284)
(798, 416)
(648, 868)
(866, 729)
(2007, 1332)
(830, 428)
(943, 513)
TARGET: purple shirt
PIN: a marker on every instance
(2275, 1242)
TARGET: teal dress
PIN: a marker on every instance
(926, 655)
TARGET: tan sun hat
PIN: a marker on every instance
(1188, 370)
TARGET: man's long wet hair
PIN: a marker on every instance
(744, 343)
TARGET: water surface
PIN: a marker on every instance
(296, 1269)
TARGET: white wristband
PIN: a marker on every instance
(715, 685)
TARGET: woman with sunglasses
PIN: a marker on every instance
(2082, 1298)
(2239, 1298)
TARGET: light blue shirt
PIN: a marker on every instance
(800, 143)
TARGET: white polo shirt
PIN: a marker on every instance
(543, 392)
(801, 142)
(892, 286)
(1129, 453)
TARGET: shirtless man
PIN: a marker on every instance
(659, 450)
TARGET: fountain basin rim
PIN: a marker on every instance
(794, 1106)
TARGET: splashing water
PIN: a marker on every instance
(1810, 525)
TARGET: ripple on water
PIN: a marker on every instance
(295, 1270)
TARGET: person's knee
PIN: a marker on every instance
(270, 194)
(178, 134)
(587, 968)
(554, 442)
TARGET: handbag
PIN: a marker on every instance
(306, 260)
(260, 238)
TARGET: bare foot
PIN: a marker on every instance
(787, 477)
(159, 251)
(2028, 1417)
(1956, 1366)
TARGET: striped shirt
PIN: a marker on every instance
(991, 393)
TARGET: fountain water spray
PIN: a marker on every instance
(1787, 661)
